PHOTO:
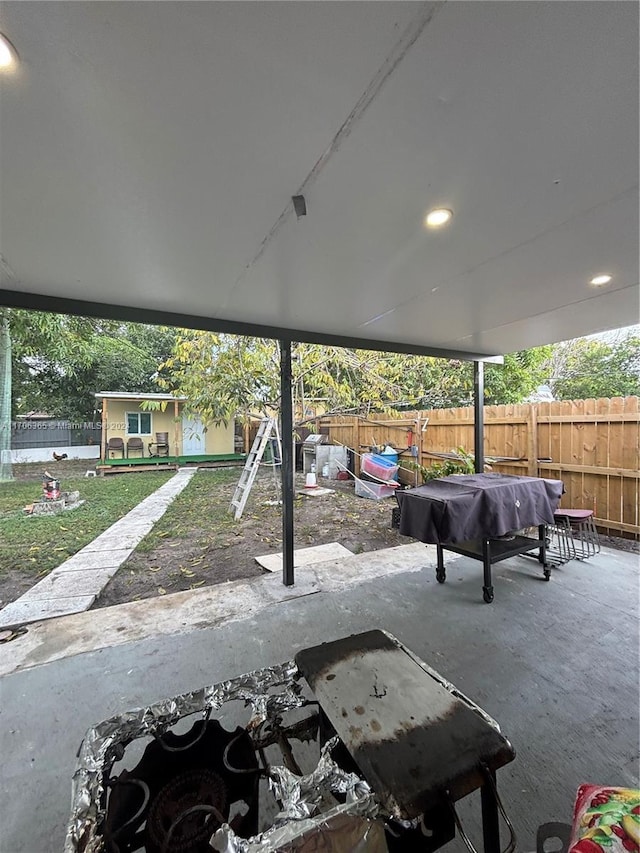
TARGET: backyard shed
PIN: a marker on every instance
(145, 417)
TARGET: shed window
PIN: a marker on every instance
(138, 423)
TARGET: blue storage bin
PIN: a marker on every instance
(393, 457)
(379, 466)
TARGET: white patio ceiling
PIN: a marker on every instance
(149, 152)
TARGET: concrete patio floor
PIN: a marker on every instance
(555, 663)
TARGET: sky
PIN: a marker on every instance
(616, 334)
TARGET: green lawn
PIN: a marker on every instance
(38, 544)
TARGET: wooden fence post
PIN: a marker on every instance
(532, 441)
(417, 440)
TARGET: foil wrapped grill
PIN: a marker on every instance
(268, 693)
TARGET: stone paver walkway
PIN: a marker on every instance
(75, 585)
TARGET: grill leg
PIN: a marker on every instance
(487, 589)
(542, 553)
(490, 820)
(441, 574)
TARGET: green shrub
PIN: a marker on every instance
(463, 464)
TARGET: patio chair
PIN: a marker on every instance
(135, 445)
(115, 445)
(159, 447)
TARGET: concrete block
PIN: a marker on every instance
(273, 590)
(305, 556)
(85, 560)
(115, 540)
(48, 507)
(69, 584)
(22, 612)
(316, 492)
(68, 501)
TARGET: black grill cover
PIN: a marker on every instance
(476, 506)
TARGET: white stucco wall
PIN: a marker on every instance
(45, 454)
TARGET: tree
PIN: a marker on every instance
(55, 363)
(224, 375)
(434, 383)
(519, 376)
(5, 395)
(586, 368)
(25, 334)
(117, 356)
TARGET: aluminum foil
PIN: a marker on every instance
(302, 798)
(339, 833)
(332, 831)
(301, 795)
(268, 692)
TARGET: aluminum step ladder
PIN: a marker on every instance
(267, 433)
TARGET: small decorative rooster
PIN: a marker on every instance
(59, 456)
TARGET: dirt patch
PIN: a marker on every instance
(197, 543)
(209, 547)
(632, 546)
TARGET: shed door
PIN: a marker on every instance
(192, 436)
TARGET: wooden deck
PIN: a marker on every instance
(167, 463)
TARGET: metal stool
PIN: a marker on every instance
(583, 531)
(561, 546)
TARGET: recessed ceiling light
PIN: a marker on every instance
(7, 54)
(438, 217)
(600, 280)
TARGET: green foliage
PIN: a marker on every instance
(39, 334)
(60, 371)
(463, 464)
(55, 363)
(28, 337)
(434, 383)
(584, 368)
(223, 376)
(519, 376)
(422, 382)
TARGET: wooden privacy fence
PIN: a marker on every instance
(593, 446)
